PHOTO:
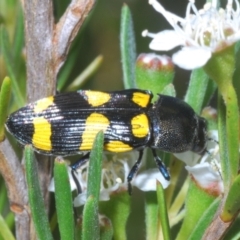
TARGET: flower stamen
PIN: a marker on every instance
(208, 29)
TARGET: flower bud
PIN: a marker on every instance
(154, 72)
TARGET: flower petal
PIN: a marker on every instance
(51, 187)
(146, 181)
(166, 40)
(206, 177)
(104, 195)
(80, 199)
(190, 158)
(191, 57)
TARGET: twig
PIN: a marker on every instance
(67, 28)
(13, 174)
(218, 227)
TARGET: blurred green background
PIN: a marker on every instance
(100, 36)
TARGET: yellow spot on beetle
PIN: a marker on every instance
(140, 125)
(94, 123)
(43, 104)
(42, 134)
(97, 98)
(117, 146)
(141, 99)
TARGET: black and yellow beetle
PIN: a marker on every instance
(67, 124)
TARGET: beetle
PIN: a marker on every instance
(67, 123)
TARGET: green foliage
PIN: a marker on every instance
(163, 214)
(90, 227)
(117, 210)
(184, 211)
(197, 203)
(198, 80)
(63, 199)
(205, 221)
(4, 101)
(9, 59)
(36, 201)
(5, 232)
(232, 205)
(128, 48)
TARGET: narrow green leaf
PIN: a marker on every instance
(63, 197)
(223, 150)
(128, 48)
(6, 51)
(4, 100)
(18, 40)
(163, 214)
(196, 90)
(197, 202)
(117, 209)
(91, 228)
(210, 91)
(232, 204)
(66, 70)
(236, 82)
(232, 130)
(3, 196)
(4, 230)
(233, 233)
(151, 215)
(10, 220)
(179, 199)
(236, 237)
(205, 221)
(88, 72)
(36, 202)
(220, 68)
(175, 168)
(95, 167)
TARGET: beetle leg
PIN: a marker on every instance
(134, 171)
(79, 189)
(74, 168)
(80, 162)
(162, 168)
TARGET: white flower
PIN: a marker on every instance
(146, 180)
(207, 177)
(114, 178)
(207, 173)
(201, 33)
